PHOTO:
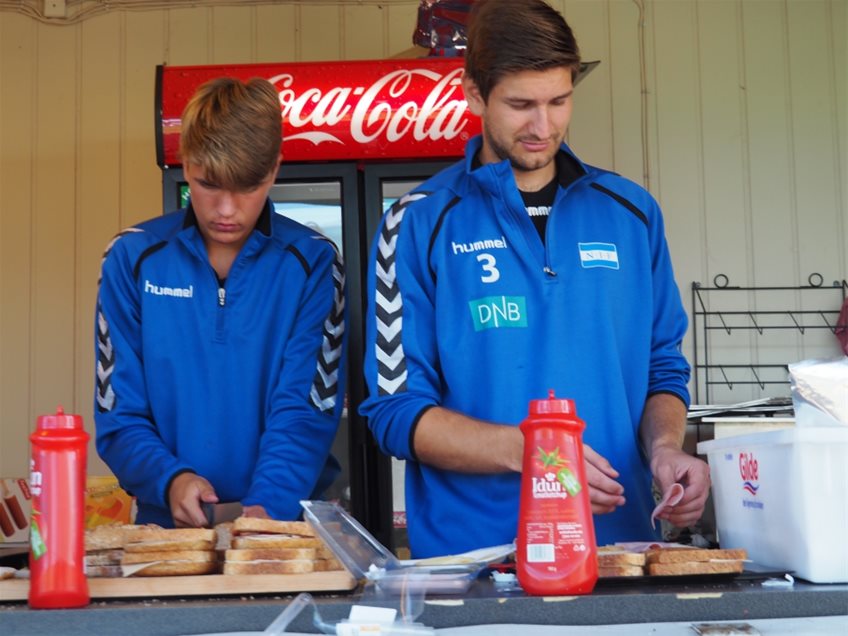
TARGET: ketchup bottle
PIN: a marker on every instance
(556, 552)
(57, 482)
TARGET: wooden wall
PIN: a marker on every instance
(732, 112)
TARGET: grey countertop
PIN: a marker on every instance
(719, 599)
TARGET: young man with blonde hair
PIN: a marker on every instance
(219, 329)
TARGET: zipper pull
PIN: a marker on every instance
(222, 296)
(549, 271)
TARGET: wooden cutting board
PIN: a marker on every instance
(205, 585)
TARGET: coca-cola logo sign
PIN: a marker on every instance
(388, 109)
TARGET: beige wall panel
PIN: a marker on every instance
(189, 37)
(625, 90)
(140, 178)
(770, 144)
(821, 244)
(276, 33)
(18, 43)
(838, 18)
(363, 33)
(679, 186)
(727, 207)
(401, 20)
(727, 213)
(838, 40)
(53, 217)
(98, 178)
(815, 133)
(320, 29)
(233, 34)
(590, 133)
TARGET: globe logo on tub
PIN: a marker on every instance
(749, 470)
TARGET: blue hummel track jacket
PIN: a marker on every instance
(469, 310)
(241, 385)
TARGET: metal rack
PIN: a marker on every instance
(731, 327)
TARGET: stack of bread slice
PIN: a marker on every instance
(104, 549)
(266, 546)
(678, 561)
(169, 552)
(616, 561)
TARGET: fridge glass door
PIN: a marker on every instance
(318, 204)
(315, 204)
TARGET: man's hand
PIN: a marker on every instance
(255, 511)
(670, 465)
(605, 494)
(187, 492)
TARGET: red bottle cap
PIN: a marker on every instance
(552, 405)
(59, 421)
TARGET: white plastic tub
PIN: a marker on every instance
(783, 496)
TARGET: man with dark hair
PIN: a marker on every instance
(518, 270)
(219, 331)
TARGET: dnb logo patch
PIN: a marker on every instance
(598, 255)
(495, 312)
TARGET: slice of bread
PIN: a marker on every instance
(104, 557)
(178, 568)
(324, 553)
(274, 541)
(299, 566)
(256, 525)
(109, 537)
(146, 539)
(620, 558)
(327, 565)
(224, 532)
(686, 555)
(620, 570)
(695, 567)
(269, 554)
(104, 571)
(202, 556)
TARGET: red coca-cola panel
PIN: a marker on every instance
(373, 109)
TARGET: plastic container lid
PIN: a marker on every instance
(348, 539)
(365, 557)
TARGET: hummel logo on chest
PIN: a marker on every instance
(477, 246)
(177, 292)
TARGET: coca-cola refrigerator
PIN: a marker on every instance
(356, 136)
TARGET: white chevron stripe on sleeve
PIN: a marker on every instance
(391, 386)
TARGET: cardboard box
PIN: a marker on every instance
(783, 496)
(14, 512)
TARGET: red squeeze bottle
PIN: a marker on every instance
(57, 482)
(555, 545)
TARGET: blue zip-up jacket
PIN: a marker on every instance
(469, 310)
(240, 384)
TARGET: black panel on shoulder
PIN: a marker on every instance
(303, 262)
(150, 250)
(627, 204)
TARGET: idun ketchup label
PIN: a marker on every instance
(555, 542)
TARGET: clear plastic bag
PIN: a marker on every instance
(820, 392)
